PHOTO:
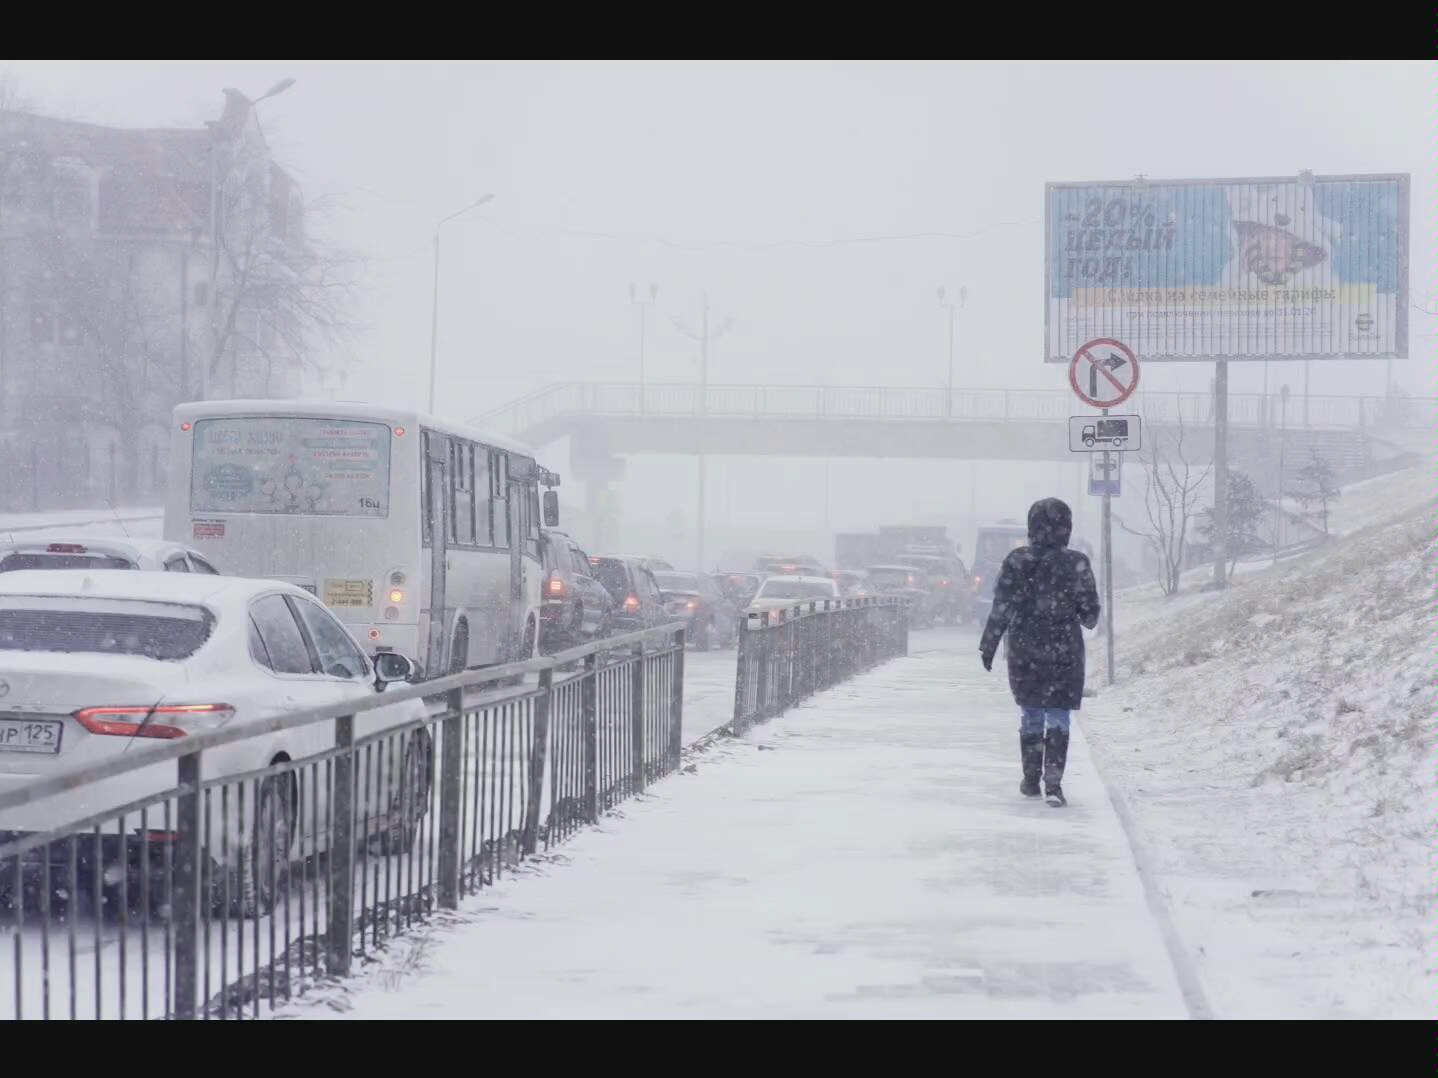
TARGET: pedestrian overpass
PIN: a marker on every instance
(605, 422)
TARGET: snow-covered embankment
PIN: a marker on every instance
(1276, 748)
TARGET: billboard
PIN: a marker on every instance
(1308, 267)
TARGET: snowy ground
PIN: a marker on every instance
(1275, 745)
(867, 855)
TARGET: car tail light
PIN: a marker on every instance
(913, 581)
(631, 603)
(554, 586)
(65, 548)
(693, 604)
(396, 595)
(943, 583)
(144, 721)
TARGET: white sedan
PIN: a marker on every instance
(782, 592)
(92, 664)
(55, 550)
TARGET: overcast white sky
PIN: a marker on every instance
(820, 204)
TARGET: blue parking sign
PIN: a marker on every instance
(1104, 472)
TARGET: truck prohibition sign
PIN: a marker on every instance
(1099, 434)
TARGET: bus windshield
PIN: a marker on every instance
(287, 464)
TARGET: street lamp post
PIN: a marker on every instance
(953, 307)
(704, 336)
(434, 312)
(642, 304)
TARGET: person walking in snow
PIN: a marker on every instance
(1045, 592)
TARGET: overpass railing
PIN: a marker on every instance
(215, 895)
(788, 655)
(630, 400)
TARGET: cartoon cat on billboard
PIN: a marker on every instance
(1279, 238)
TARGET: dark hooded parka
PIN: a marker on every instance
(1045, 591)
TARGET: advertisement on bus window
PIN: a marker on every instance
(313, 467)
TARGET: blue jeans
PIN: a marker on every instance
(1037, 720)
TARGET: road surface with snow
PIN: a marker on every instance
(865, 855)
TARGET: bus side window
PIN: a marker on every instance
(483, 498)
(462, 482)
(424, 487)
(534, 515)
(499, 469)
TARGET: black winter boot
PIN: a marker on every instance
(1031, 751)
(1056, 751)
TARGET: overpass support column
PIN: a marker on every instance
(592, 463)
(602, 499)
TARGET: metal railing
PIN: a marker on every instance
(630, 400)
(788, 655)
(214, 896)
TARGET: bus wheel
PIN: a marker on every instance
(459, 649)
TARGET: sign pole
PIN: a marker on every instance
(1107, 541)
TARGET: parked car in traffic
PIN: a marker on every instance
(98, 664)
(55, 550)
(782, 592)
(634, 590)
(947, 582)
(654, 565)
(851, 582)
(739, 588)
(903, 582)
(802, 565)
(695, 599)
(576, 608)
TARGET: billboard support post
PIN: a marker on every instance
(1220, 472)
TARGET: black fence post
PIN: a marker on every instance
(636, 720)
(764, 646)
(534, 808)
(451, 780)
(676, 703)
(743, 677)
(589, 720)
(188, 881)
(342, 852)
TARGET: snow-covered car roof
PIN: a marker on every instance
(890, 569)
(217, 592)
(110, 545)
(799, 579)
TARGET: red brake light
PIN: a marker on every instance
(693, 604)
(186, 425)
(399, 432)
(554, 587)
(631, 602)
(131, 721)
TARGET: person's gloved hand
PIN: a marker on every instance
(988, 659)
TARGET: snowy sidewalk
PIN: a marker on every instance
(867, 855)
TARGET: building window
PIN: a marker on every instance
(71, 200)
(51, 323)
